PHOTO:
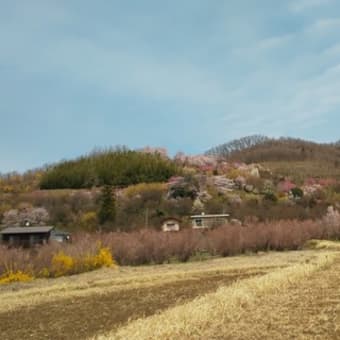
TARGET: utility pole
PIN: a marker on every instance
(147, 218)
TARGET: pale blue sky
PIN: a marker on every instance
(182, 74)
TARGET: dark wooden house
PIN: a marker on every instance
(25, 236)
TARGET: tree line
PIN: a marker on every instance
(114, 167)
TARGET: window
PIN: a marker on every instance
(198, 222)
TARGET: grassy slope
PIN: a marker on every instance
(94, 303)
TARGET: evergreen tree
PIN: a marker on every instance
(107, 210)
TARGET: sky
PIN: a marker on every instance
(185, 75)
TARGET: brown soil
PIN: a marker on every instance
(78, 318)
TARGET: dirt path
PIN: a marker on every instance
(81, 317)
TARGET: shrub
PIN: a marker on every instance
(102, 259)
(149, 246)
(146, 190)
(89, 221)
(92, 251)
(19, 276)
(62, 265)
(297, 192)
(54, 260)
(183, 192)
(270, 196)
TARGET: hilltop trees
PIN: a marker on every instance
(254, 149)
(225, 150)
(118, 167)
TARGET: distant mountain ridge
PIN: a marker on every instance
(258, 148)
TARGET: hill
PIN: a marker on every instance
(257, 149)
(296, 158)
(254, 177)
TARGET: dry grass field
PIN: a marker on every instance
(289, 295)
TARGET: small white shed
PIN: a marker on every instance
(171, 224)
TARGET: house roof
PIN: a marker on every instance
(60, 232)
(26, 230)
(210, 216)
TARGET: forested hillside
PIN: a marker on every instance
(118, 167)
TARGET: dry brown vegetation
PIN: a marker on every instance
(91, 304)
(299, 170)
(148, 246)
(52, 260)
(93, 250)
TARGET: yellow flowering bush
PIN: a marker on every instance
(17, 276)
(102, 259)
(66, 265)
(54, 260)
(62, 264)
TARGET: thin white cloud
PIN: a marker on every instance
(274, 42)
(333, 51)
(325, 25)
(286, 104)
(298, 6)
(265, 45)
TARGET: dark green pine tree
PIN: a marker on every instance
(107, 209)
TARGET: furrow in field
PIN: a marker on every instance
(298, 302)
(81, 317)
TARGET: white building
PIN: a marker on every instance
(171, 224)
(204, 221)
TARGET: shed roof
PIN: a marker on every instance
(26, 230)
(210, 216)
(170, 219)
